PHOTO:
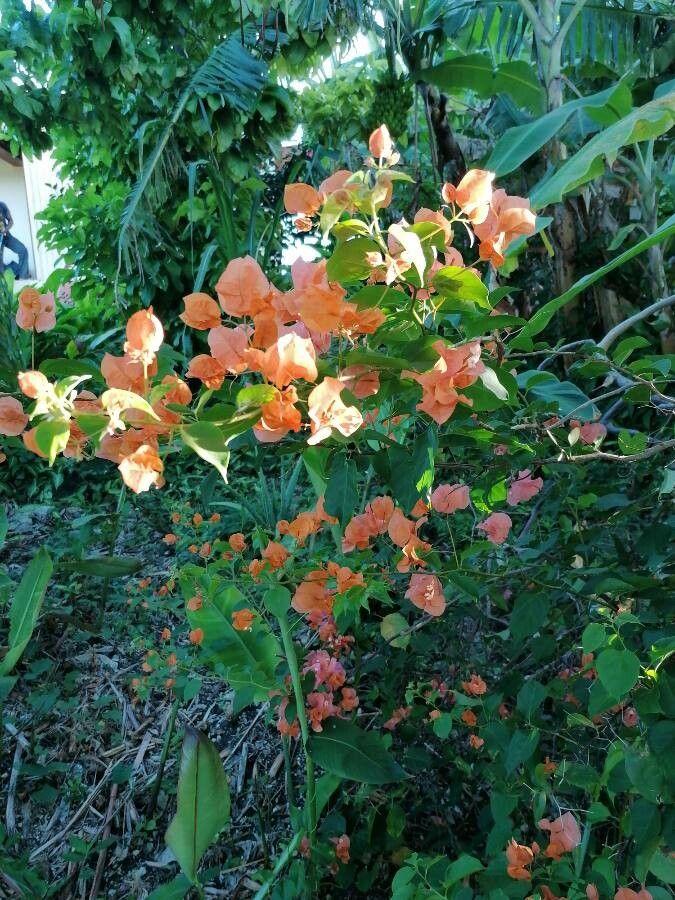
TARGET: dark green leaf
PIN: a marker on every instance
(203, 802)
(344, 749)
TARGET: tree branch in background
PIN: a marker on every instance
(627, 324)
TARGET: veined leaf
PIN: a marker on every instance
(344, 749)
(244, 658)
(203, 802)
(123, 400)
(458, 283)
(475, 72)
(642, 124)
(523, 141)
(208, 442)
(25, 607)
(342, 490)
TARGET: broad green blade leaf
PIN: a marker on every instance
(104, 566)
(25, 607)
(642, 124)
(244, 658)
(342, 493)
(519, 80)
(539, 321)
(523, 141)
(208, 442)
(203, 802)
(476, 73)
(344, 749)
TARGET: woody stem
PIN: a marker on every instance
(310, 785)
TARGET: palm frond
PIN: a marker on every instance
(231, 71)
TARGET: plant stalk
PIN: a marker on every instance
(310, 783)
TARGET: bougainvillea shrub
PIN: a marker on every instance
(473, 665)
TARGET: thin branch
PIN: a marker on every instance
(614, 457)
(627, 324)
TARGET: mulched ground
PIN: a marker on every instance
(79, 757)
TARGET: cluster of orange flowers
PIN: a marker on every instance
(267, 332)
(564, 836)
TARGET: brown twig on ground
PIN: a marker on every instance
(11, 789)
(100, 863)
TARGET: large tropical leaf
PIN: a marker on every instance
(203, 802)
(523, 141)
(476, 72)
(642, 124)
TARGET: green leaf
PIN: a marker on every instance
(104, 566)
(51, 437)
(349, 263)
(392, 628)
(4, 525)
(594, 637)
(618, 671)
(246, 659)
(343, 749)
(642, 124)
(342, 493)
(461, 868)
(518, 79)
(175, 889)
(25, 607)
(203, 807)
(378, 295)
(521, 747)
(116, 397)
(663, 867)
(7, 682)
(519, 143)
(563, 397)
(457, 283)
(412, 474)
(255, 395)
(543, 316)
(473, 72)
(278, 601)
(631, 442)
(208, 442)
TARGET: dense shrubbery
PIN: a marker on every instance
(450, 616)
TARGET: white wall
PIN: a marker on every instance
(41, 183)
(13, 193)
